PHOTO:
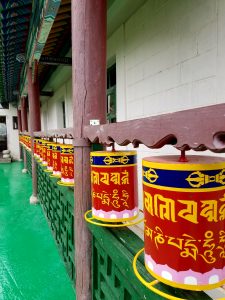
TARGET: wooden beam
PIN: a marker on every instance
(89, 94)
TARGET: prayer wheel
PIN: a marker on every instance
(184, 210)
(67, 164)
(36, 148)
(49, 156)
(40, 142)
(44, 152)
(114, 185)
(56, 163)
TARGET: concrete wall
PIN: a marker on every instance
(51, 108)
(12, 134)
(170, 57)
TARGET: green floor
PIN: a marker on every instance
(30, 265)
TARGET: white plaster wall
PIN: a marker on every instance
(12, 134)
(51, 110)
(170, 56)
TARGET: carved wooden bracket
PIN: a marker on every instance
(198, 129)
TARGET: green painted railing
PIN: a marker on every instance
(29, 162)
(113, 276)
(57, 203)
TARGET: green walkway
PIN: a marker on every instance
(30, 265)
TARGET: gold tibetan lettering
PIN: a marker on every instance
(148, 202)
(209, 210)
(189, 249)
(115, 177)
(165, 207)
(105, 198)
(115, 197)
(190, 213)
(125, 177)
(208, 243)
(159, 239)
(222, 209)
(95, 177)
(104, 178)
(148, 231)
(70, 159)
(176, 242)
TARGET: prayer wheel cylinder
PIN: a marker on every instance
(56, 160)
(49, 156)
(67, 164)
(44, 152)
(40, 142)
(114, 185)
(36, 148)
(184, 210)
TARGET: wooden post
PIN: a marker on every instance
(24, 125)
(89, 102)
(19, 128)
(24, 114)
(35, 125)
(19, 120)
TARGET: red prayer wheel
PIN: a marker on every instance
(67, 164)
(184, 210)
(114, 185)
(40, 141)
(49, 156)
(56, 163)
(36, 148)
(44, 152)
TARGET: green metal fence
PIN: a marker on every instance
(29, 162)
(57, 203)
(113, 276)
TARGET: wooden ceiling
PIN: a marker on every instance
(59, 39)
(14, 29)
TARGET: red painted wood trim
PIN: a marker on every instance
(198, 129)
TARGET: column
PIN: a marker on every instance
(89, 102)
(24, 125)
(35, 125)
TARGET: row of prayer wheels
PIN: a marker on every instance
(183, 204)
(57, 158)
